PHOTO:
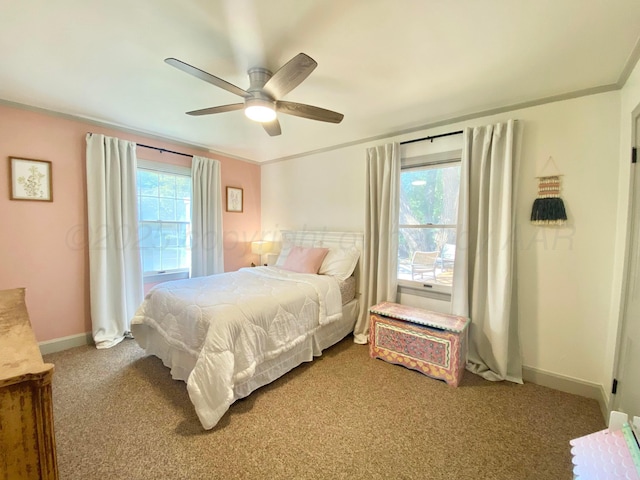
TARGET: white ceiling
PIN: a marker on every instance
(388, 65)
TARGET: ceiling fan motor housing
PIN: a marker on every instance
(258, 77)
(259, 98)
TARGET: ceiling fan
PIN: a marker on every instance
(263, 97)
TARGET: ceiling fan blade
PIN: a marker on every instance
(207, 77)
(220, 109)
(290, 75)
(272, 127)
(309, 111)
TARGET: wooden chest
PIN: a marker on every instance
(27, 443)
(432, 343)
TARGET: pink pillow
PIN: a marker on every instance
(305, 259)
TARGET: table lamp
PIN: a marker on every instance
(261, 247)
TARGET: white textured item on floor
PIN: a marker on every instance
(616, 420)
(605, 454)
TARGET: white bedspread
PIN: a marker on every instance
(234, 321)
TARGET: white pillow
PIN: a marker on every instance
(284, 253)
(340, 262)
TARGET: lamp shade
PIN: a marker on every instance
(260, 247)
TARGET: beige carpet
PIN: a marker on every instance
(118, 415)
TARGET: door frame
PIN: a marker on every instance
(622, 317)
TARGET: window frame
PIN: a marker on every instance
(431, 160)
(174, 273)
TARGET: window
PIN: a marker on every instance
(429, 187)
(164, 206)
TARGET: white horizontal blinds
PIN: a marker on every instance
(164, 167)
(431, 160)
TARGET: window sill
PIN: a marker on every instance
(438, 292)
(165, 277)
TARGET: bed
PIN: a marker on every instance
(227, 335)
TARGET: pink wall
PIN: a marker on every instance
(42, 244)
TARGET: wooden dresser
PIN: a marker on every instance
(27, 443)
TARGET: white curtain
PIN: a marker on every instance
(115, 269)
(380, 255)
(206, 218)
(484, 285)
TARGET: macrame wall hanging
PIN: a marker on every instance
(548, 208)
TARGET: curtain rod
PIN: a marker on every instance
(163, 150)
(157, 148)
(431, 137)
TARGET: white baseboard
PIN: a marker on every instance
(568, 385)
(65, 343)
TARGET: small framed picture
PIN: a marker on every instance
(30, 179)
(234, 199)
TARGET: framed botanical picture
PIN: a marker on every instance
(30, 179)
(234, 199)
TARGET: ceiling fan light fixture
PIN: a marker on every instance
(260, 113)
(260, 110)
